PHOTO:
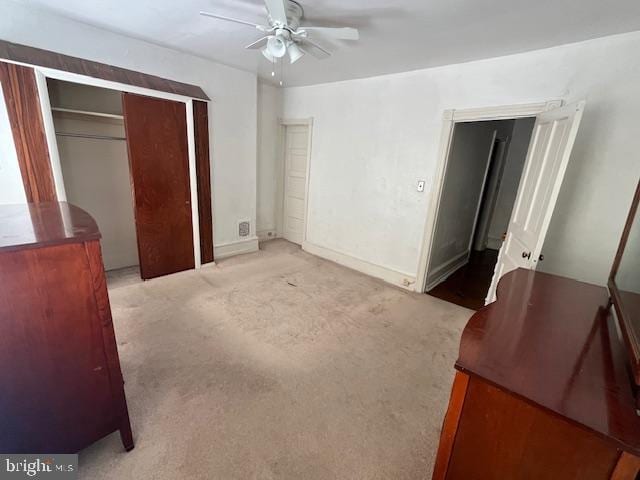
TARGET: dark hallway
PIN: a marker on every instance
(468, 286)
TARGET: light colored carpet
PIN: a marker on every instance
(278, 365)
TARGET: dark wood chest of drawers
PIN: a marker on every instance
(60, 377)
(542, 389)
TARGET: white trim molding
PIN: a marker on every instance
(440, 273)
(193, 183)
(450, 118)
(50, 135)
(401, 279)
(296, 121)
(506, 112)
(109, 84)
(286, 122)
(238, 247)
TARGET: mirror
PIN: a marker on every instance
(624, 285)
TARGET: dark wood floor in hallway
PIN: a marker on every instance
(468, 286)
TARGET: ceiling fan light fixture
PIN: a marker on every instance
(295, 52)
(284, 35)
(267, 55)
(277, 46)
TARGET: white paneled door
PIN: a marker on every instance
(547, 158)
(296, 154)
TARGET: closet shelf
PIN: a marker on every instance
(88, 135)
(86, 112)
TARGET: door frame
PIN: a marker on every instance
(283, 124)
(450, 118)
(494, 193)
(43, 73)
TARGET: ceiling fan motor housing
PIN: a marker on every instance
(294, 15)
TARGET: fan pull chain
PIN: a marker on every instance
(281, 71)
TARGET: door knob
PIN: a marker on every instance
(541, 257)
(526, 254)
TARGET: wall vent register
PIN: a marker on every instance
(244, 228)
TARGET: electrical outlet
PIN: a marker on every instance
(421, 185)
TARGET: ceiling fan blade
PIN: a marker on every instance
(314, 49)
(344, 33)
(258, 43)
(235, 20)
(278, 10)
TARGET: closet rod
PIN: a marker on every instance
(86, 135)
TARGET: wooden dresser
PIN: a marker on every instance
(60, 378)
(542, 389)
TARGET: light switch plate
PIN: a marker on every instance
(421, 185)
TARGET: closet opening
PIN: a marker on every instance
(483, 170)
(92, 146)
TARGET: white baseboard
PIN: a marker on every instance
(395, 277)
(443, 271)
(229, 249)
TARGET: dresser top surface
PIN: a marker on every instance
(32, 225)
(551, 341)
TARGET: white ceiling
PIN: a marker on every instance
(396, 35)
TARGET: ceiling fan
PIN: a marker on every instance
(285, 35)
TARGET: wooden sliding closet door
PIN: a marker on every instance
(156, 131)
(23, 107)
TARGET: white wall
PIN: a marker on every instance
(510, 180)
(373, 138)
(76, 96)
(467, 164)
(232, 114)
(270, 161)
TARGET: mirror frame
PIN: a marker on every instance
(630, 337)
